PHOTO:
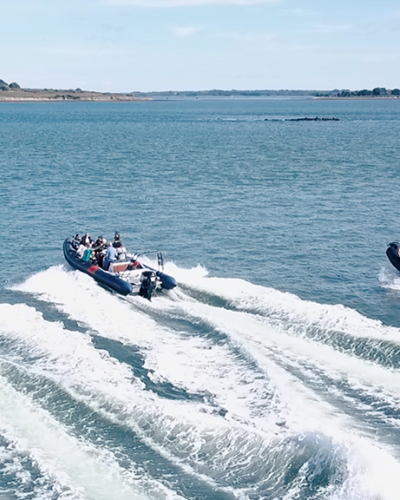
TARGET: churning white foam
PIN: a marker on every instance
(175, 429)
(76, 468)
(80, 298)
(389, 278)
(198, 366)
(293, 310)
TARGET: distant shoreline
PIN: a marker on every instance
(11, 95)
(39, 95)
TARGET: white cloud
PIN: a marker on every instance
(79, 52)
(301, 12)
(187, 3)
(248, 37)
(333, 28)
(185, 31)
(373, 57)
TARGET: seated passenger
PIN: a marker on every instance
(98, 243)
(87, 254)
(134, 264)
(87, 240)
(99, 250)
(80, 250)
(120, 252)
(76, 241)
(109, 258)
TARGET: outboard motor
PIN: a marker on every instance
(148, 284)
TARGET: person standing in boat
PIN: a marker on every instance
(117, 240)
(109, 258)
(120, 250)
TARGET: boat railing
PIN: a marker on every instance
(157, 253)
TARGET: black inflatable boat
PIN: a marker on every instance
(128, 276)
(393, 254)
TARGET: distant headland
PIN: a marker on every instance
(13, 92)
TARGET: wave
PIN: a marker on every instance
(343, 328)
(287, 396)
(42, 454)
(389, 278)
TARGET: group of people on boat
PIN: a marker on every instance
(101, 252)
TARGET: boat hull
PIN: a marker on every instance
(97, 273)
(393, 254)
(113, 280)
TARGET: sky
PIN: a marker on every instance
(155, 45)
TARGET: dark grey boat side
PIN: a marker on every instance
(392, 252)
(100, 275)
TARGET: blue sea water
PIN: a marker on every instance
(272, 371)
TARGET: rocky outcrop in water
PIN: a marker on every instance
(315, 119)
(303, 119)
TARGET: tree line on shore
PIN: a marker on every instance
(376, 92)
(6, 86)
